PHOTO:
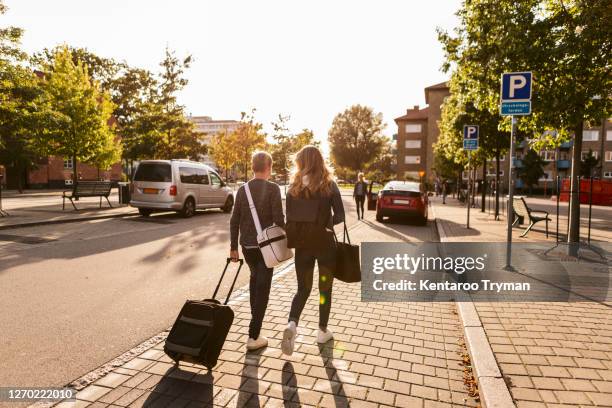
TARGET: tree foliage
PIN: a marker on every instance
(356, 138)
(532, 168)
(82, 129)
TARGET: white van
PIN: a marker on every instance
(178, 185)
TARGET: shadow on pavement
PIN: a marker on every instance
(290, 396)
(208, 230)
(337, 386)
(248, 394)
(171, 391)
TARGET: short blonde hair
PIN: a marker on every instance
(261, 161)
(360, 176)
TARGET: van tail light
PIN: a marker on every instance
(172, 190)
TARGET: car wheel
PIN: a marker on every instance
(188, 208)
(379, 217)
(423, 220)
(229, 204)
(145, 212)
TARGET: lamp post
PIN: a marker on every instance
(421, 175)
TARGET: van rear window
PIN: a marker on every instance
(159, 172)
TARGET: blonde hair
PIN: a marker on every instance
(260, 161)
(309, 162)
(360, 176)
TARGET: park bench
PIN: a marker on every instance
(522, 212)
(88, 189)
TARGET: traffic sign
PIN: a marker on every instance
(470, 131)
(509, 108)
(516, 86)
(470, 144)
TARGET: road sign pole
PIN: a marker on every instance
(467, 191)
(510, 211)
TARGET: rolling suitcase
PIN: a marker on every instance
(201, 327)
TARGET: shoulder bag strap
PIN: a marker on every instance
(253, 209)
(345, 235)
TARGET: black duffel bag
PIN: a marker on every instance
(348, 268)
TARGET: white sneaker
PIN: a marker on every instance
(289, 338)
(324, 336)
(254, 344)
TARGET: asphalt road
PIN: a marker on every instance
(75, 296)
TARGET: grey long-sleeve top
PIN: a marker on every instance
(267, 198)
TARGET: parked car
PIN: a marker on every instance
(402, 199)
(178, 185)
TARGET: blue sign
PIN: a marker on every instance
(515, 108)
(516, 86)
(470, 144)
(470, 131)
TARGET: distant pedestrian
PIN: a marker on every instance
(314, 205)
(444, 191)
(267, 200)
(359, 194)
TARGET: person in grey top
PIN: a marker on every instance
(267, 200)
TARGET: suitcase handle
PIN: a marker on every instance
(240, 261)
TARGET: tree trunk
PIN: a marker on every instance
(497, 184)
(573, 237)
(19, 172)
(75, 173)
(483, 193)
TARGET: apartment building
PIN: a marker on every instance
(209, 128)
(417, 132)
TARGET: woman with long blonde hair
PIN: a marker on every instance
(314, 205)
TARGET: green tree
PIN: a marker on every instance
(382, 169)
(568, 46)
(286, 145)
(82, 131)
(589, 164)
(356, 138)
(223, 150)
(248, 138)
(532, 170)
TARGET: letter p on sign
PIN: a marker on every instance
(516, 86)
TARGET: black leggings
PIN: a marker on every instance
(304, 269)
(259, 288)
(360, 200)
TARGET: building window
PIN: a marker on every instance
(412, 159)
(609, 155)
(68, 164)
(546, 177)
(609, 135)
(491, 172)
(608, 174)
(590, 135)
(547, 155)
(413, 144)
(585, 154)
(411, 128)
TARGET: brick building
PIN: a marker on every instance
(417, 133)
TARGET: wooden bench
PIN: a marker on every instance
(88, 189)
(521, 212)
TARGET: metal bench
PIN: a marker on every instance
(88, 189)
(521, 212)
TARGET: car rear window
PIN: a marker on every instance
(159, 172)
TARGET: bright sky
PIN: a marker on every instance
(309, 59)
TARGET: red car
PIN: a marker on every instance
(402, 199)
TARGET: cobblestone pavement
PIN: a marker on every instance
(550, 354)
(383, 354)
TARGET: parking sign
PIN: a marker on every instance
(516, 86)
(470, 137)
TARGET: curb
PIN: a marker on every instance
(66, 221)
(493, 389)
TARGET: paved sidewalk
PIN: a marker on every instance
(550, 354)
(383, 355)
(45, 207)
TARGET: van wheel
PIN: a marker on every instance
(229, 204)
(145, 212)
(188, 208)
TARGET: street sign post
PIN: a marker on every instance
(515, 101)
(470, 142)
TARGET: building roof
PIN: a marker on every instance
(415, 114)
(442, 86)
